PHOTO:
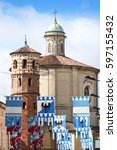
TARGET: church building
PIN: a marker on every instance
(53, 75)
(63, 77)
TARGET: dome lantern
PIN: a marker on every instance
(55, 39)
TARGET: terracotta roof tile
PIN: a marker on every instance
(60, 60)
(25, 49)
(49, 60)
(70, 126)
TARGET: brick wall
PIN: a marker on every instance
(3, 136)
(29, 109)
(24, 88)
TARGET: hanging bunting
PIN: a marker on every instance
(13, 119)
(35, 131)
(13, 111)
(15, 138)
(65, 142)
(81, 120)
(45, 110)
(59, 126)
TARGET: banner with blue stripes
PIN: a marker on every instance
(81, 120)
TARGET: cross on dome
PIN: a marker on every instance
(55, 12)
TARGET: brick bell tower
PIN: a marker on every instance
(25, 82)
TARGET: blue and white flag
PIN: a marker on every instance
(45, 110)
(13, 111)
(81, 120)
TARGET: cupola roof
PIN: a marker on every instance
(55, 27)
(24, 49)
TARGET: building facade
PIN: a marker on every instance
(4, 140)
(52, 75)
(63, 77)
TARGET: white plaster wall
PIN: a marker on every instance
(63, 84)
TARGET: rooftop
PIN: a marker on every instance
(56, 60)
(55, 27)
(25, 49)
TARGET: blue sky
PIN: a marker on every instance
(82, 7)
(80, 20)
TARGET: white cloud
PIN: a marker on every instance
(4, 74)
(82, 41)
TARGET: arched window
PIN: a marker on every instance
(29, 82)
(24, 63)
(49, 47)
(33, 64)
(19, 82)
(86, 91)
(24, 105)
(34, 105)
(15, 64)
(62, 47)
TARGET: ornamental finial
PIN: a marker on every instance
(25, 40)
